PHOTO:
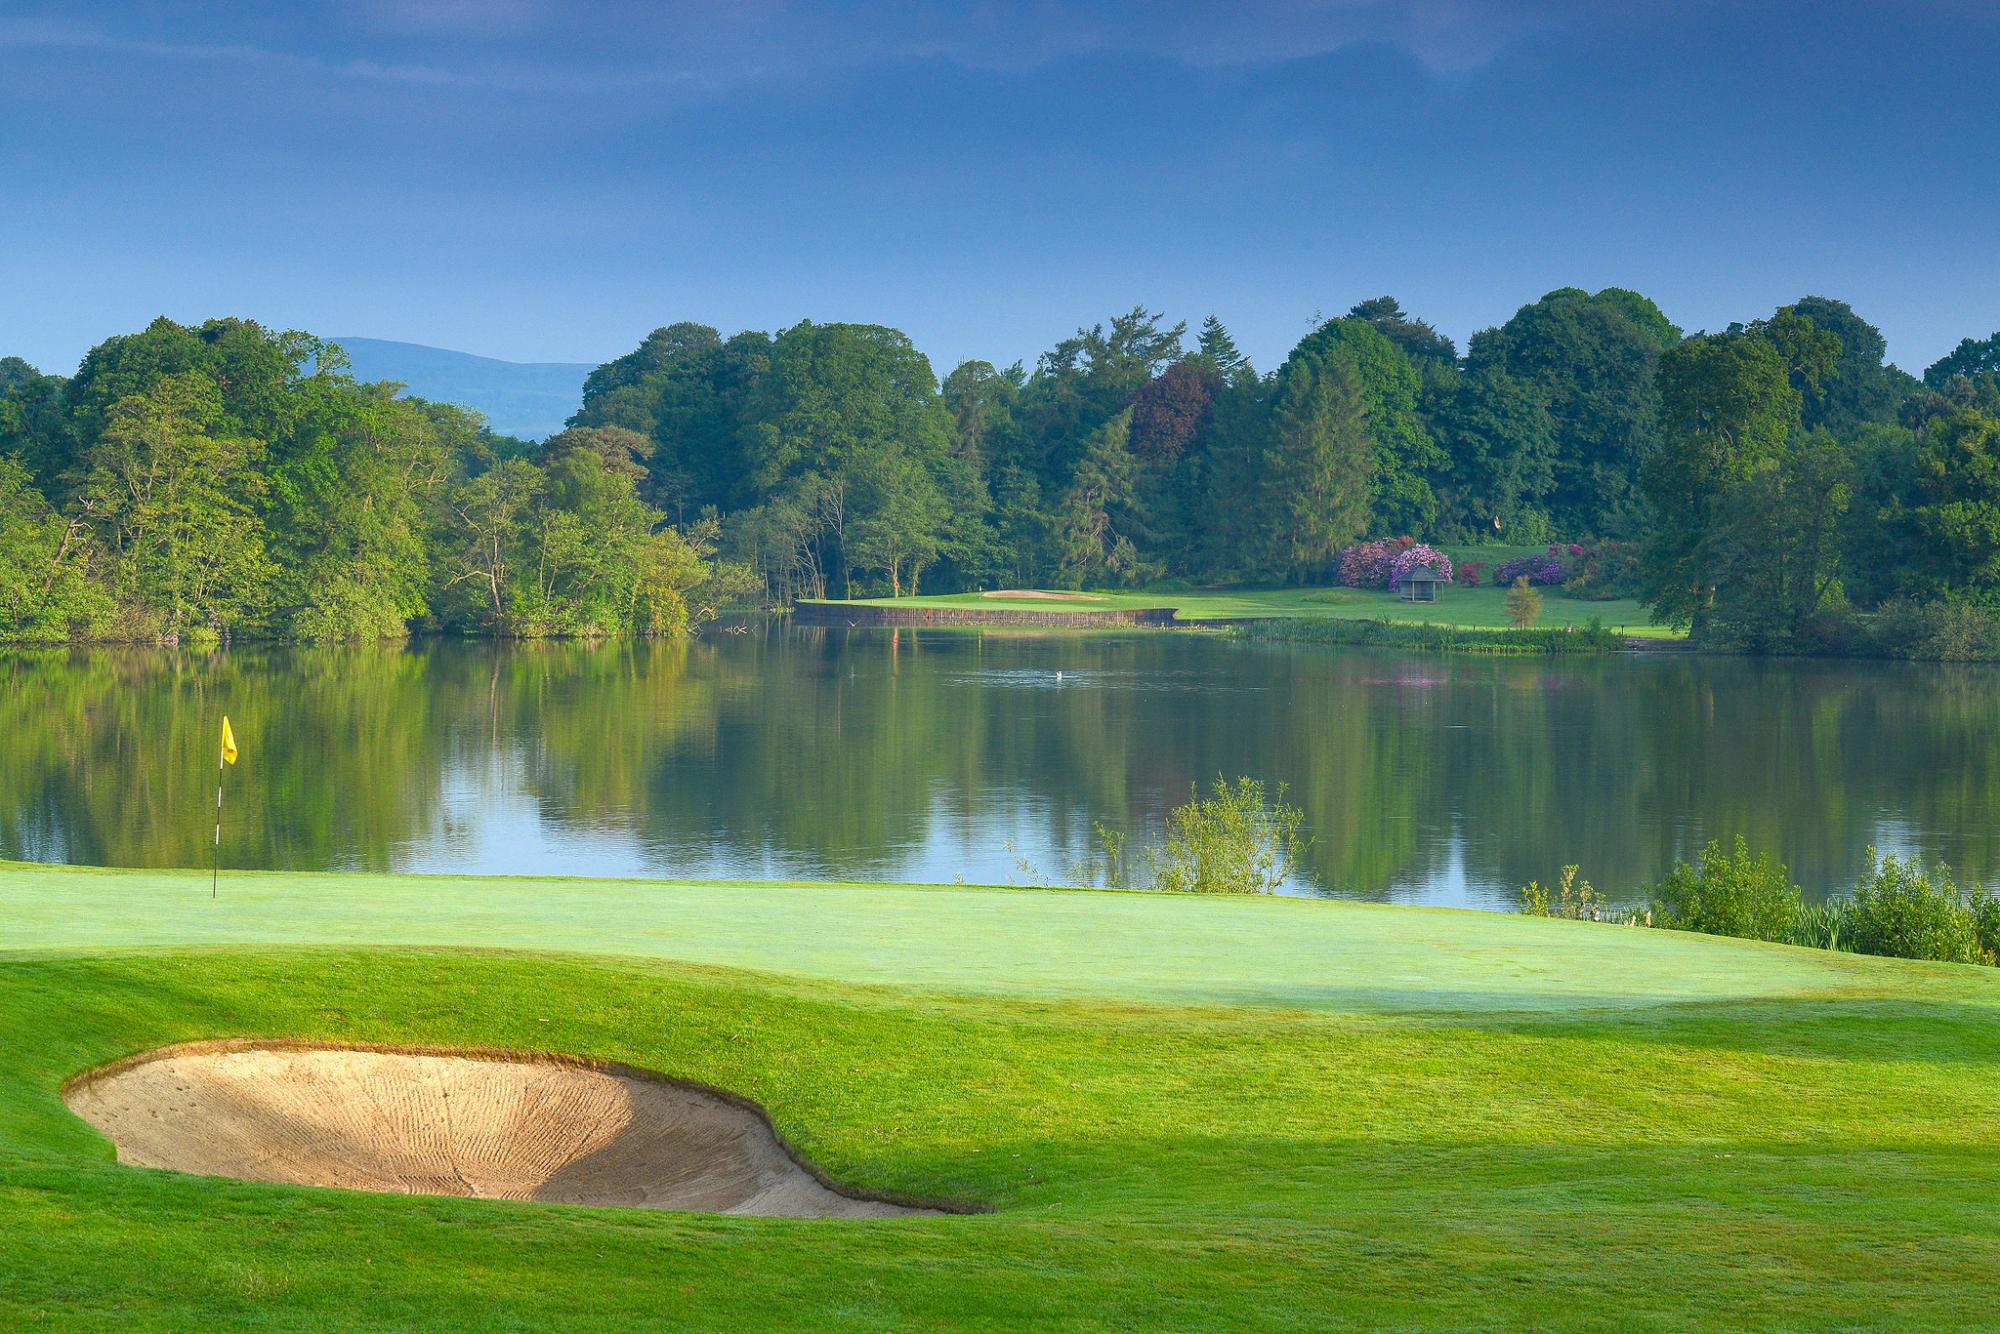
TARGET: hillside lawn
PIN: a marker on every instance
(1484, 607)
(1184, 1112)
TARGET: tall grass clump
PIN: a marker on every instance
(1571, 897)
(1233, 841)
(1730, 894)
(1823, 926)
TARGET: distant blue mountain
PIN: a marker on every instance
(528, 399)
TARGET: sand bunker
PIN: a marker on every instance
(1041, 595)
(506, 1127)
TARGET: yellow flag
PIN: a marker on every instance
(228, 741)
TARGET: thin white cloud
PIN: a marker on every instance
(24, 35)
(31, 36)
(540, 47)
(454, 17)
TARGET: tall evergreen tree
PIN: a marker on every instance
(1407, 459)
(1217, 351)
(1318, 461)
(1098, 525)
(1420, 341)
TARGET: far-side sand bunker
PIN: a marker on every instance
(439, 1124)
(1041, 595)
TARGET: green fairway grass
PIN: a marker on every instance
(1484, 607)
(1185, 1112)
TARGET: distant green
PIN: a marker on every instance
(1484, 607)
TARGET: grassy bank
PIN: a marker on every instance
(1260, 1114)
(1458, 607)
(1430, 638)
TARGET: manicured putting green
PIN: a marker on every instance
(1294, 953)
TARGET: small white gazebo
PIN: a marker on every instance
(1420, 584)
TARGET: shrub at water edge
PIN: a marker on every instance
(1729, 894)
(1232, 841)
(1897, 910)
(1900, 911)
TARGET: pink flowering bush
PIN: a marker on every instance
(1383, 563)
(1410, 558)
(1366, 565)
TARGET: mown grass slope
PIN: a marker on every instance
(1482, 608)
(1185, 1113)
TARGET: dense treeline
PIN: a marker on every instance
(190, 484)
(1776, 486)
(1132, 453)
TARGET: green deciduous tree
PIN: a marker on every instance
(1774, 548)
(484, 542)
(35, 427)
(49, 588)
(351, 508)
(176, 498)
(1973, 358)
(1727, 407)
(1591, 360)
(839, 405)
(1501, 441)
(1858, 387)
(1956, 509)
(904, 520)
(686, 389)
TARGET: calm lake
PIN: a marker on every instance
(941, 756)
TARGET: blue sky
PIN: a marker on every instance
(544, 181)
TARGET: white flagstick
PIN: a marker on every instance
(215, 865)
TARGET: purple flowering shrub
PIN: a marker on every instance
(1545, 568)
